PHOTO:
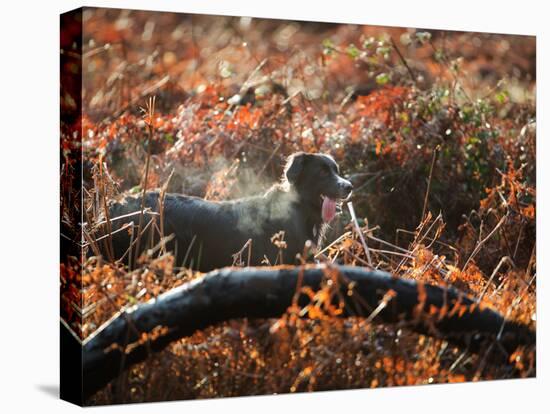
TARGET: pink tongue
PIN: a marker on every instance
(328, 210)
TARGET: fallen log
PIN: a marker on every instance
(268, 292)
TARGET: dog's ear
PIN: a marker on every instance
(294, 166)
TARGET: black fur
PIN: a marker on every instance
(209, 233)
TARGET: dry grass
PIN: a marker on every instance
(438, 139)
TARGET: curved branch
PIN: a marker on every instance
(268, 292)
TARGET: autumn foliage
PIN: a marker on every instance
(437, 136)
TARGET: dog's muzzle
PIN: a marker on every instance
(333, 206)
(345, 188)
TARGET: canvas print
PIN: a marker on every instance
(257, 206)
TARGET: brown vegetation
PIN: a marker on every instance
(436, 131)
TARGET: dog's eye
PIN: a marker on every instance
(324, 172)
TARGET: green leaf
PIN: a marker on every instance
(439, 56)
(383, 50)
(352, 51)
(328, 47)
(501, 97)
(382, 78)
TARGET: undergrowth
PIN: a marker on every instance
(437, 136)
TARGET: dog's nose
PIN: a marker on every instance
(346, 186)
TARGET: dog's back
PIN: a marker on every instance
(207, 234)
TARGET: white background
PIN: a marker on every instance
(29, 204)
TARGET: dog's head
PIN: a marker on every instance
(317, 181)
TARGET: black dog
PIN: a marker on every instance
(208, 234)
